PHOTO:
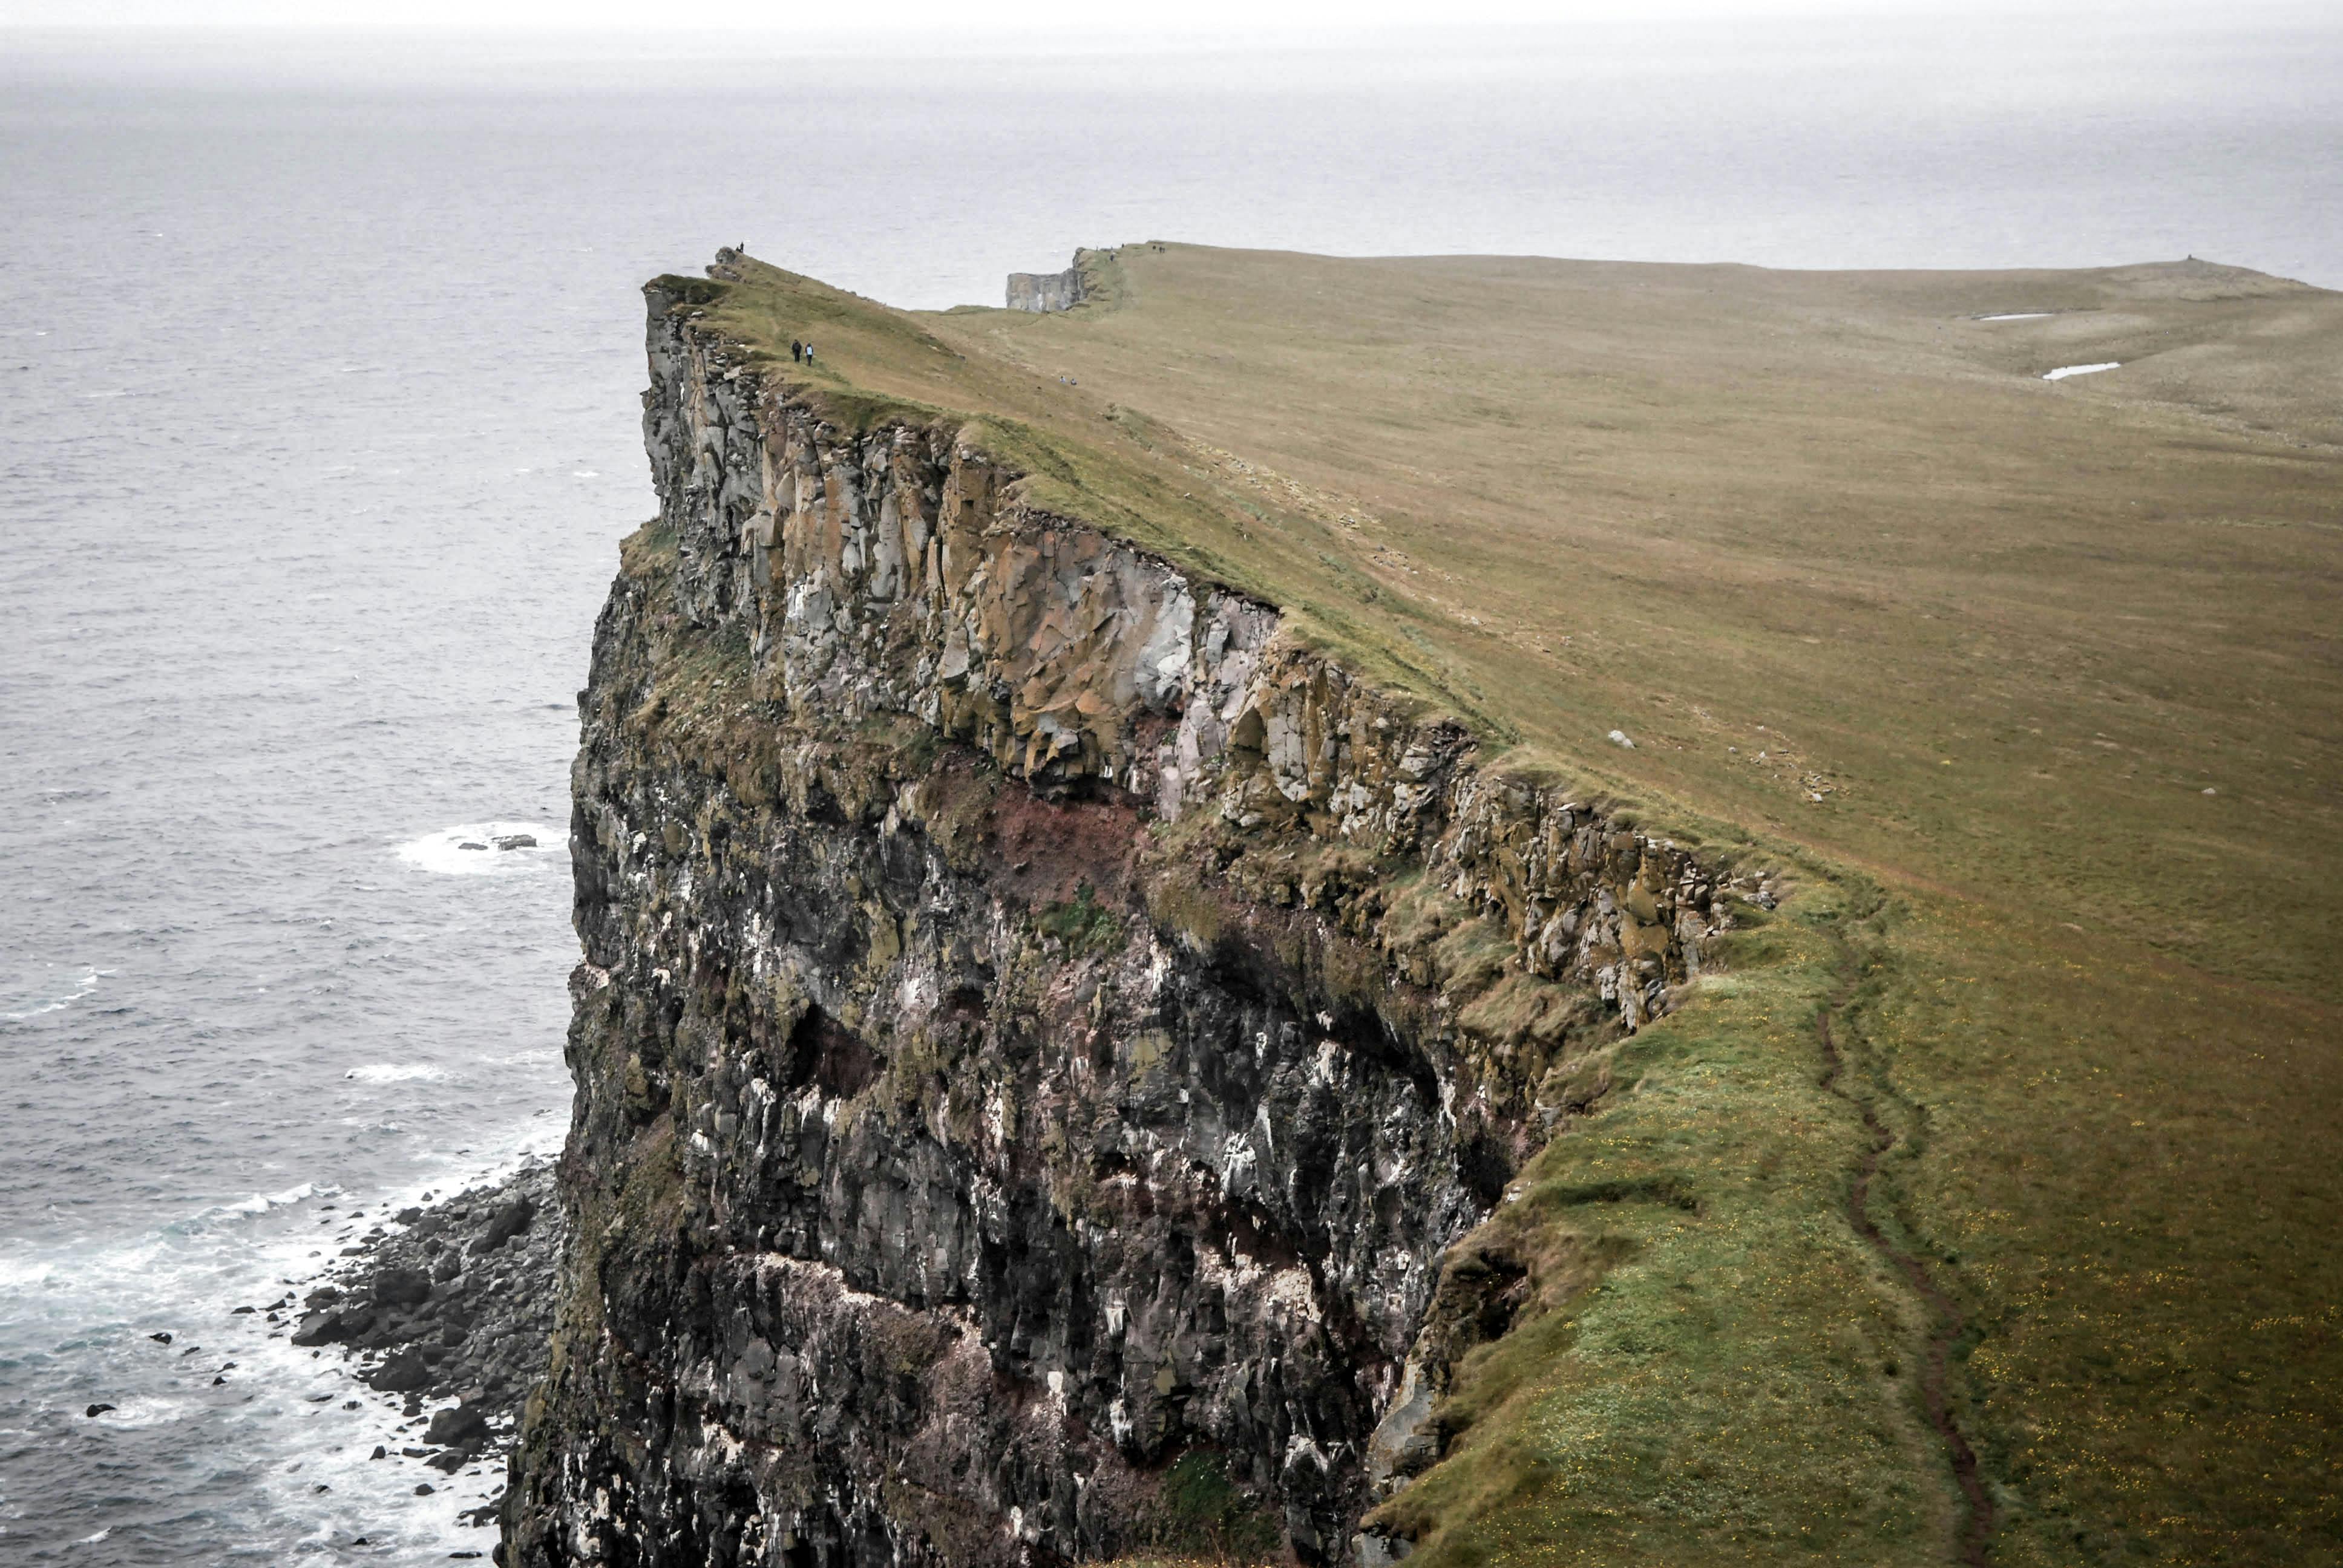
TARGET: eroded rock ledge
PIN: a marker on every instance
(1040, 1026)
(1046, 291)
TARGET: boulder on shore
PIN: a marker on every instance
(332, 1325)
(400, 1371)
(401, 1287)
(510, 1220)
(459, 1426)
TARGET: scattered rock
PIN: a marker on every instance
(94, 1411)
(457, 1305)
(379, 1452)
(160, 1339)
(469, 844)
(424, 1489)
(515, 840)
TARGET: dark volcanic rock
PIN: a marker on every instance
(511, 1220)
(401, 1371)
(400, 1286)
(333, 1325)
(448, 1327)
(459, 1426)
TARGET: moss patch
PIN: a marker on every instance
(1081, 923)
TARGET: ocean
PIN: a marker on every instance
(318, 430)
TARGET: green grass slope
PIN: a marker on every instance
(2036, 687)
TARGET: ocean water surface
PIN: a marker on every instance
(318, 430)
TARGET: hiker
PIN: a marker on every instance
(797, 349)
(809, 353)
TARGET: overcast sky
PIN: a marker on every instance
(1023, 16)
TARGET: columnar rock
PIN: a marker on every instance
(1040, 1026)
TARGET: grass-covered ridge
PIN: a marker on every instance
(2039, 685)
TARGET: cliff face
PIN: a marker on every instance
(1045, 291)
(1040, 1027)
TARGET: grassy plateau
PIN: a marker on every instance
(2033, 689)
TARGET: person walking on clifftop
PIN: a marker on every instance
(797, 350)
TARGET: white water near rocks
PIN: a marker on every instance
(317, 431)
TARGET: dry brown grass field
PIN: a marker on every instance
(2035, 686)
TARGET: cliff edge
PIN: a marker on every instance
(1040, 1026)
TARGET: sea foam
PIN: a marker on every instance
(444, 851)
(261, 1202)
(393, 1072)
(61, 999)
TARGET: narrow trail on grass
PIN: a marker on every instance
(1948, 1323)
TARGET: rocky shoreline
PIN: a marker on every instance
(452, 1301)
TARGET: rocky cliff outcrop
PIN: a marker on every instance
(1044, 291)
(1040, 1026)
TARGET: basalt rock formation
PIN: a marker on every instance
(1041, 1025)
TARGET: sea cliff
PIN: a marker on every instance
(1043, 1026)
